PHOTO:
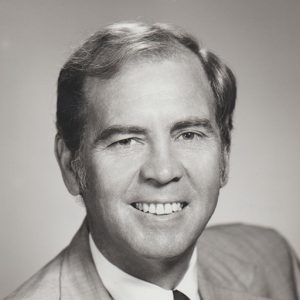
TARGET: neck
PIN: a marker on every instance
(163, 272)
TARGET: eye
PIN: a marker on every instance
(124, 142)
(190, 136)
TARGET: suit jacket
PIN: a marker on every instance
(235, 262)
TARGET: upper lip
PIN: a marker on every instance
(159, 200)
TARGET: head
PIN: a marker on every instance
(144, 117)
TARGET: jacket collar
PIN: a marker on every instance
(80, 280)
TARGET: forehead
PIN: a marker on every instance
(151, 87)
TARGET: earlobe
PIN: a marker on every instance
(64, 159)
(224, 168)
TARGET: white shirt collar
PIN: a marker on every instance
(123, 286)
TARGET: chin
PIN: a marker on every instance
(165, 249)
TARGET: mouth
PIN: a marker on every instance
(160, 208)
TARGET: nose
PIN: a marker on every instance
(161, 166)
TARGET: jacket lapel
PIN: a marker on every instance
(79, 278)
(222, 276)
(210, 291)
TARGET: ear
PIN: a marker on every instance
(64, 159)
(224, 167)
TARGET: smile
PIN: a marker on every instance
(159, 208)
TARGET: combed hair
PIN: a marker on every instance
(105, 52)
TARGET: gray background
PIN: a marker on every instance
(258, 38)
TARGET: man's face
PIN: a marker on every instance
(153, 159)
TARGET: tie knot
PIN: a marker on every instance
(179, 296)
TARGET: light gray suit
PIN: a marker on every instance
(236, 262)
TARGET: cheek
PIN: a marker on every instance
(111, 177)
(203, 168)
(203, 173)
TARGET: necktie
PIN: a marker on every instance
(179, 296)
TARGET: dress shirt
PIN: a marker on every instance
(123, 286)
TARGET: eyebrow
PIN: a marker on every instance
(119, 129)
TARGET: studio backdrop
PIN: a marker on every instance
(260, 41)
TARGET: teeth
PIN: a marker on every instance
(174, 206)
(145, 207)
(168, 208)
(159, 208)
(152, 208)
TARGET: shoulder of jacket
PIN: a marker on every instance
(43, 285)
(241, 230)
(255, 244)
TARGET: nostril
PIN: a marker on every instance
(162, 166)
(161, 176)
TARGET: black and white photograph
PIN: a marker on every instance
(150, 149)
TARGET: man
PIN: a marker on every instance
(144, 119)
